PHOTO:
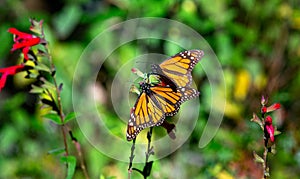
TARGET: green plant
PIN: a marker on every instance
(266, 124)
(39, 66)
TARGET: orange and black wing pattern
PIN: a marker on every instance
(154, 105)
(179, 67)
(151, 107)
(163, 94)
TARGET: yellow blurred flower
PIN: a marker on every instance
(242, 84)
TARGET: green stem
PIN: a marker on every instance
(59, 103)
(131, 159)
(60, 108)
(149, 148)
(62, 115)
(80, 156)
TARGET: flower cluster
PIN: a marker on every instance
(23, 41)
(266, 123)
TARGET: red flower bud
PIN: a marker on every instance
(264, 109)
(268, 120)
(133, 70)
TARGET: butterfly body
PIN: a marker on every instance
(163, 91)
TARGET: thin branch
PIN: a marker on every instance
(265, 165)
(79, 152)
(149, 148)
(131, 159)
(148, 165)
(58, 90)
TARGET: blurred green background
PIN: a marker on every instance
(257, 43)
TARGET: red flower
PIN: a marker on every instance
(273, 107)
(269, 128)
(23, 41)
(9, 71)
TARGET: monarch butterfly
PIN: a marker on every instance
(179, 67)
(163, 91)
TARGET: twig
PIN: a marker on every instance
(148, 165)
(131, 159)
(149, 148)
(265, 165)
(79, 152)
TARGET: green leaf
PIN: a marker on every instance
(48, 85)
(32, 75)
(276, 132)
(56, 151)
(273, 149)
(70, 117)
(36, 26)
(42, 67)
(110, 177)
(36, 89)
(71, 161)
(53, 117)
(258, 158)
(50, 103)
(134, 89)
(257, 120)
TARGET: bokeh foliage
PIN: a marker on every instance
(257, 43)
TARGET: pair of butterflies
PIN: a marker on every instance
(163, 91)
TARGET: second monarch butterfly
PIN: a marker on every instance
(163, 91)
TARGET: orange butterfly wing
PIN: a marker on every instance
(151, 109)
(179, 67)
